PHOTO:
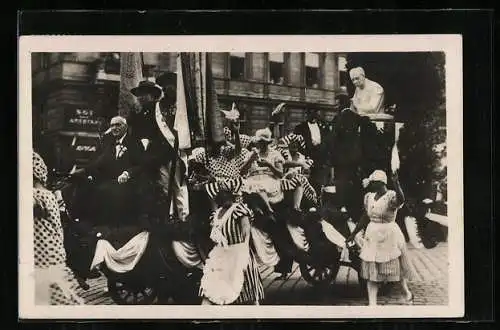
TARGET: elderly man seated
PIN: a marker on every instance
(114, 174)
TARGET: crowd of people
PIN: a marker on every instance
(292, 168)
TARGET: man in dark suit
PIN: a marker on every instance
(347, 156)
(153, 126)
(314, 131)
(115, 174)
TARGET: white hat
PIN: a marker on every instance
(196, 152)
(378, 175)
(263, 134)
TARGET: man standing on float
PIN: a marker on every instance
(154, 127)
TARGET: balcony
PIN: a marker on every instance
(68, 71)
(319, 96)
(265, 90)
(285, 93)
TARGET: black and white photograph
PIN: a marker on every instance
(259, 177)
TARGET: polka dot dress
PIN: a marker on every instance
(223, 166)
(49, 248)
(49, 252)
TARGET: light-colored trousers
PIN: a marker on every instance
(180, 195)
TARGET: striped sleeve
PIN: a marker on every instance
(285, 153)
(213, 188)
(292, 137)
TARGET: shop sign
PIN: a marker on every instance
(80, 148)
(82, 119)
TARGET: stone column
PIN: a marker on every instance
(331, 78)
(257, 69)
(295, 66)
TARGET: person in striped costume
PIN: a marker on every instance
(383, 251)
(297, 166)
(263, 170)
(231, 275)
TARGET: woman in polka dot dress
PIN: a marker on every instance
(224, 162)
(54, 281)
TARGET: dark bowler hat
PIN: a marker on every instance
(167, 79)
(147, 87)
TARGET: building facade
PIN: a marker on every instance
(75, 94)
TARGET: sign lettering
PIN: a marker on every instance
(84, 148)
(82, 119)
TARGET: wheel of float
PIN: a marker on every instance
(187, 291)
(124, 293)
(319, 275)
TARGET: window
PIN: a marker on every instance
(112, 63)
(343, 73)
(237, 66)
(312, 70)
(243, 121)
(276, 68)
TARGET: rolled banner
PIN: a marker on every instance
(395, 161)
(130, 76)
(397, 129)
(181, 123)
(215, 118)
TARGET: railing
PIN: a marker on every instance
(261, 89)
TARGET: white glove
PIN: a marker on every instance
(123, 178)
(145, 143)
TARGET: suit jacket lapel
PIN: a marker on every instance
(306, 132)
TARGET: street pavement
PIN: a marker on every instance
(429, 285)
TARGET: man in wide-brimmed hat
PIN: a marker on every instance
(154, 126)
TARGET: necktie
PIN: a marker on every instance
(118, 148)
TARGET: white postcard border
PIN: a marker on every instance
(450, 44)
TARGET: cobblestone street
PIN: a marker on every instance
(430, 285)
